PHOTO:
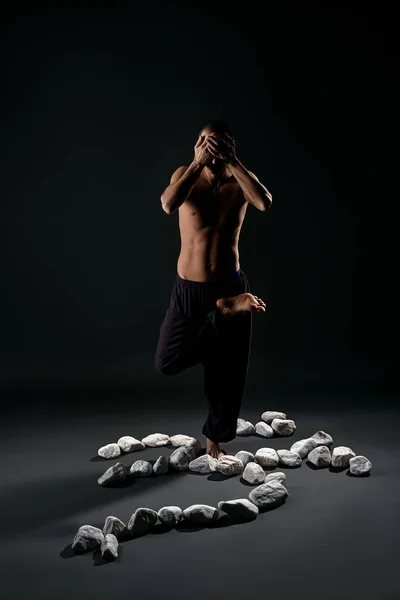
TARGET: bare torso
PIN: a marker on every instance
(210, 223)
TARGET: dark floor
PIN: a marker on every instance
(334, 538)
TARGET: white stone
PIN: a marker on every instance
(114, 474)
(360, 465)
(142, 520)
(268, 494)
(127, 443)
(244, 427)
(276, 476)
(109, 451)
(269, 415)
(341, 456)
(283, 426)
(161, 466)
(141, 468)
(244, 456)
(322, 438)
(263, 429)
(288, 458)
(266, 457)
(254, 473)
(320, 456)
(109, 546)
(303, 447)
(229, 465)
(170, 515)
(155, 440)
(185, 440)
(87, 538)
(241, 508)
(205, 464)
(114, 525)
(200, 513)
(180, 458)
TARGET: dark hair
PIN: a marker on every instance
(218, 126)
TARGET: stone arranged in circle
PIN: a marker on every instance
(254, 473)
(239, 509)
(229, 465)
(360, 465)
(268, 495)
(303, 447)
(115, 526)
(87, 538)
(263, 429)
(269, 415)
(205, 464)
(109, 451)
(109, 547)
(276, 476)
(283, 426)
(341, 456)
(161, 466)
(154, 440)
(244, 427)
(127, 443)
(320, 456)
(288, 458)
(142, 520)
(170, 515)
(185, 440)
(141, 468)
(266, 457)
(200, 513)
(245, 456)
(180, 458)
(322, 438)
(114, 474)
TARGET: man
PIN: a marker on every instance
(209, 316)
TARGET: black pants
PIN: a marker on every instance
(194, 331)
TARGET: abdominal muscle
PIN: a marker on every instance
(203, 258)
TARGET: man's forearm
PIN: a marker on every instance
(256, 193)
(176, 193)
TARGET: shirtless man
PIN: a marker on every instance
(209, 320)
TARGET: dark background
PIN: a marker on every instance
(101, 103)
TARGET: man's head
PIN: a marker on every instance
(215, 126)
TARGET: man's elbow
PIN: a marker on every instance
(266, 202)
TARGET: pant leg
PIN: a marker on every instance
(179, 344)
(225, 362)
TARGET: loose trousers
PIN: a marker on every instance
(194, 331)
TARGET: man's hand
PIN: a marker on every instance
(222, 146)
(202, 154)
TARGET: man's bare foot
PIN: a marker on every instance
(240, 303)
(214, 450)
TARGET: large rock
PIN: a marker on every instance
(244, 456)
(200, 513)
(109, 547)
(114, 474)
(320, 456)
(341, 456)
(185, 440)
(288, 458)
(141, 468)
(115, 526)
(170, 515)
(229, 465)
(322, 438)
(283, 426)
(142, 520)
(254, 473)
(303, 447)
(109, 451)
(205, 464)
(266, 457)
(244, 427)
(263, 429)
(161, 466)
(127, 443)
(87, 538)
(360, 465)
(155, 440)
(268, 495)
(241, 509)
(180, 458)
(269, 415)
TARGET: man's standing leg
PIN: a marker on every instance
(225, 372)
